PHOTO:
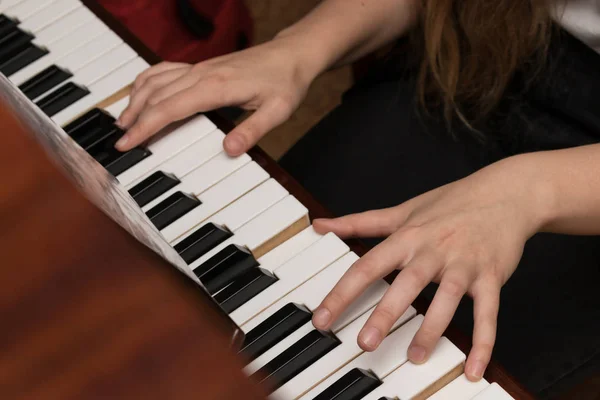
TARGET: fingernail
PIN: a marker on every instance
(234, 145)
(122, 142)
(416, 354)
(321, 318)
(119, 123)
(476, 370)
(370, 337)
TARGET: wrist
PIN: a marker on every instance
(539, 190)
(310, 58)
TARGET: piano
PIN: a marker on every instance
(90, 312)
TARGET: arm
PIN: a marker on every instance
(270, 79)
(569, 189)
(342, 31)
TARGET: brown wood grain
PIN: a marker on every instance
(88, 312)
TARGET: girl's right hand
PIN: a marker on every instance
(270, 79)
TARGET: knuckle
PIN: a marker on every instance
(453, 286)
(485, 349)
(364, 270)
(218, 77)
(417, 276)
(385, 313)
(408, 233)
(153, 81)
(153, 100)
(334, 300)
(427, 336)
(283, 104)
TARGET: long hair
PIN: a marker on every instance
(471, 49)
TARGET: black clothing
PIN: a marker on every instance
(375, 151)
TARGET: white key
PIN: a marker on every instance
(172, 141)
(103, 66)
(216, 198)
(189, 159)
(280, 347)
(101, 90)
(263, 228)
(317, 286)
(460, 389)
(94, 51)
(84, 37)
(346, 351)
(6, 4)
(313, 291)
(288, 249)
(49, 15)
(251, 205)
(26, 9)
(203, 177)
(118, 107)
(493, 392)
(390, 355)
(243, 210)
(64, 26)
(293, 274)
(99, 68)
(411, 379)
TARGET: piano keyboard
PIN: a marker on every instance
(247, 239)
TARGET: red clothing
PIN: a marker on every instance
(158, 23)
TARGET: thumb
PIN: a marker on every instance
(248, 133)
(375, 223)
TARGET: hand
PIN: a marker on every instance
(266, 78)
(468, 236)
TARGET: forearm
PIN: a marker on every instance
(568, 189)
(340, 31)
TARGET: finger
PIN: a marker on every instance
(403, 291)
(375, 223)
(374, 265)
(445, 302)
(154, 70)
(138, 99)
(178, 107)
(486, 305)
(249, 132)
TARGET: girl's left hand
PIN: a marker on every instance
(468, 236)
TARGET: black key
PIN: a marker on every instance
(244, 288)
(225, 267)
(7, 24)
(88, 129)
(152, 187)
(296, 359)
(173, 208)
(61, 98)
(28, 55)
(274, 329)
(201, 242)
(44, 81)
(13, 43)
(103, 143)
(121, 162)
(354, 385)
(103, 150)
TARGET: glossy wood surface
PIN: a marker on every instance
(87, 312)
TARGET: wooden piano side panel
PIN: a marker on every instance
(87, 311)
(495, 373)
